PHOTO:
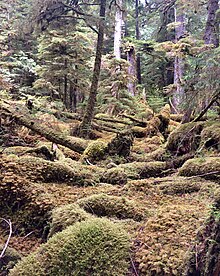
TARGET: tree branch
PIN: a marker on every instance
(9, 236)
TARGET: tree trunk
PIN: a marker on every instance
(138, 59)
(179, 64)
(131, 70)
(28, 121)
(212, 25)
(73, 96)
(118, 29)
(85, 126)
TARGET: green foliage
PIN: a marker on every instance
(8, 261)
(64, 55)
(93, 247)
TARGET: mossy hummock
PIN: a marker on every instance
(92, 247)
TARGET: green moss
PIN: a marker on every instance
(140, 170)
(111, 206)
(95, 150)
(8, 261)
(185, 138)
(210, 136)
(66, 215)
(93, 247)
(209, 168)
(114, 176)
(39, 170)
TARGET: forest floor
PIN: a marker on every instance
(163, 201)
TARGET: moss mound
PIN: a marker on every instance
(66, 215)
(181, 185)
(93, 247)
(115, 176)
(140, 170)
(95, 151)
(209, 168)
(185, 138)
(9, 260)
(39, 170)
(210, 136)
(110, 206)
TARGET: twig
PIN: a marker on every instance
(133, 266)
(9, 236)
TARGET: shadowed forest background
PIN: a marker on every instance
(109, 137)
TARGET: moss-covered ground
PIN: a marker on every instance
(159, 205)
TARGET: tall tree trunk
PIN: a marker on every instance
(73, 96)
(212, 25)
(118, 28)
(131, 70)
(138, 59)
(179, 63)
(85, 126)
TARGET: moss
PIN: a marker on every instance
(210, 136)
(209, 168)
(66, 215)
(217, 198)
(140, 170)
(111, 206)
(39, 170)
(147, 114)
(93, 247)
(115, 176)
(138, 132)
(9, 260)
(180, 185)
(95, 151)
(185, 138)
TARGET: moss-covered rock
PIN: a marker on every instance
(9, 260)
(95, 151)
(138, 132)
(114, 176)
(209, 168)
(66, 215)
(185, 138)
(93, 247)
(111, 206)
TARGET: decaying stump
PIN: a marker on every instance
(121, 144)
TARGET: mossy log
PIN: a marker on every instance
(209, 168)
(32, 123)
(39, 170)
(185, 138)
(204, 257)
(111, 206)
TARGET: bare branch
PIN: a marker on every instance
(9, 236)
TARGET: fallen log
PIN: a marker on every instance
(32, 123)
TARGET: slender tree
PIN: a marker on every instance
(180, 30)
(212, 24)
(85, 126)
(137, 30)
(118, 28)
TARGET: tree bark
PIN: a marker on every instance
(131, 70)
(212, 25)
(85, 126)
(138, 59)
(179, 63)
(118, 29)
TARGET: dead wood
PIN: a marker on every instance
(32, 123)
